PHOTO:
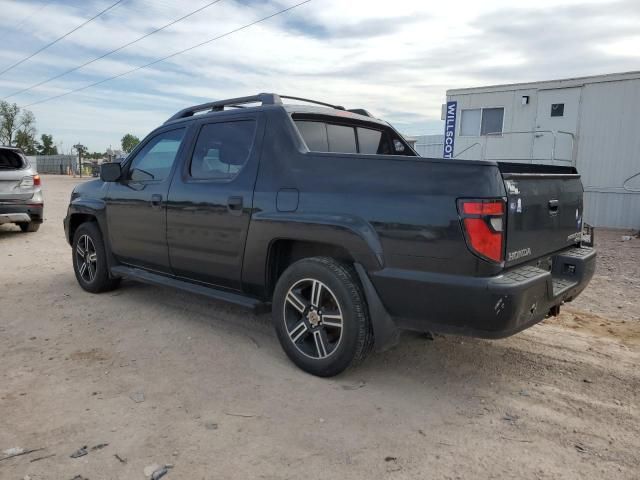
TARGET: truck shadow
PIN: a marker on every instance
(9, 230)
(465, 365)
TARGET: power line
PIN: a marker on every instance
(55, 77)
(11, 67)
(175, 54)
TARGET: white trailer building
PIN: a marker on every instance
(590, 122)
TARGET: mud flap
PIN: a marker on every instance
(385, 331)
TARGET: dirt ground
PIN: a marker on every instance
(164, 377)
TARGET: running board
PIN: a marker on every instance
(154, 279)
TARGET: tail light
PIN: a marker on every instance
(30, 181)
(483, 224)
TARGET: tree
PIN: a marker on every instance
(17, 127)
(129, 142)
(27, 143)
(46, 145)
(9, 122)
(26, 134)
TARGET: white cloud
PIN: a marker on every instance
(396, 59)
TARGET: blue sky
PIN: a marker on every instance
(395, 59)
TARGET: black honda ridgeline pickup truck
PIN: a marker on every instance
(329, 217)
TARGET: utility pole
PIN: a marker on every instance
(80, 149)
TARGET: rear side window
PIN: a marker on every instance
(222, 149)
(314, 135)
(329, 137)
(373, 142)
(342, 139)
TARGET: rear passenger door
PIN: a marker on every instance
(210, 201)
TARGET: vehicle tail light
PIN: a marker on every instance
(30, 181)
(483, 224)
(27, 182)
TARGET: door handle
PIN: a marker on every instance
(553, 206)
(234, 205)
(156, 200)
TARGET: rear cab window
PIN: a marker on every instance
(338, 135)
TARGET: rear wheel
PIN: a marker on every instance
(90, 260)
(320, 315)
(29, 227)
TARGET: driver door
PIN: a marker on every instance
(136, 204)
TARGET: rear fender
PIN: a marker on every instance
(350, 233)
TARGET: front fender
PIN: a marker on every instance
(85, 206)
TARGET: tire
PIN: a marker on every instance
(90, 260)
(29, 227)
(307, 324)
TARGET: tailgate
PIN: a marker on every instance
(544, 213)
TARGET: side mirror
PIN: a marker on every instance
(110, 172)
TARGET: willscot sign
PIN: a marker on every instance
(450, 129)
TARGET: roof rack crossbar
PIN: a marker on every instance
(264, 98)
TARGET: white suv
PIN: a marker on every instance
(20, 193)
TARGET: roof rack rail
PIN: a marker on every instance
(337, 107)
(264, 98)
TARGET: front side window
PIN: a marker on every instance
(156, 158)
(222, 149)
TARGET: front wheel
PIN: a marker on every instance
(321, 317)
(90, 260)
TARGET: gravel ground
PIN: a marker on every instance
(164, 377)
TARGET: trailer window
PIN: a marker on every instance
(491, 121)
(557, 109)
(470, 122)
(481, 121)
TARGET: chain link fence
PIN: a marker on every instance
(56, 164)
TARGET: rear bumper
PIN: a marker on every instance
(12, 212)
(488, 307)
